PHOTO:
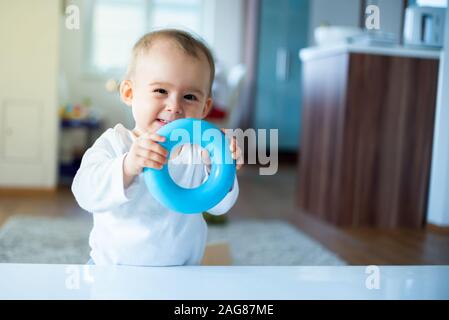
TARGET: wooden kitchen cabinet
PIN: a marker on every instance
(366, 143)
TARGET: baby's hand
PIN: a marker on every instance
(236, 152)
(145, 152)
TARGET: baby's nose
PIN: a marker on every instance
(175, 106)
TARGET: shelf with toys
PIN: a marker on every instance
(78, 128)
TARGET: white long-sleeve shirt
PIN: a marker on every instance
(130, 226)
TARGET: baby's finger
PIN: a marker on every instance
(153, 137)
(239, 158)
(150, 163)
(158, 149)
(233, 145)
(153, 146)
(150, 155)
(157, 138)
(205, 157)
(236, 154)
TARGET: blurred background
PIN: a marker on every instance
(357, 89)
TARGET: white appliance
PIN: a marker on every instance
(424, 26)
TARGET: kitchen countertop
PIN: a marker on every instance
(58, 281)
(323, 51)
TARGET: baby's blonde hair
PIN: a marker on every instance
(184, 40)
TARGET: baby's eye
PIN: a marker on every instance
(160, 90)
(190, 97)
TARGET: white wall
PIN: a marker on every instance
(28, 93)
(223, 25)
(335, 12)
(438, 208)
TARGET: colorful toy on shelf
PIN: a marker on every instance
(78, 111)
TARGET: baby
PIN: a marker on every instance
(169, 77)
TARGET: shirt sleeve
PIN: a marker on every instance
(228, 201)
(98, 184)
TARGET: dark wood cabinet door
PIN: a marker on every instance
(367, 147)
(324, 87)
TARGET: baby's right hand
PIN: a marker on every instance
(145, 152)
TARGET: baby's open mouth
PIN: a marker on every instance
(163, 121)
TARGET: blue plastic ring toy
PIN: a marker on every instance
(222, 174)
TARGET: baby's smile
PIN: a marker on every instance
(162, 121)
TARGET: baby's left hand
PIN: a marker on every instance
(236, 154)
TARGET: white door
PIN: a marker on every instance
(29, 47)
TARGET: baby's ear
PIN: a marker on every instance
(126, 92)
(207, 107)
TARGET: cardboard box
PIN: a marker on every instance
(217, 254)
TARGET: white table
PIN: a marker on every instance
(41, 281)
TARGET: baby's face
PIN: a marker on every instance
(169, 84)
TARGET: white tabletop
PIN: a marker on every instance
(40, 281)
(399, 51)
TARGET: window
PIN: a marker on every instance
(114, 26)
(183, 14)
(432, 3)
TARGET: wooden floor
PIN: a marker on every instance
(273, 197)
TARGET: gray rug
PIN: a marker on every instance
(25, 239)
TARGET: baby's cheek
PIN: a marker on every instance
(188, 113)
(143, 116)
(193, 111)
